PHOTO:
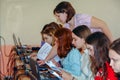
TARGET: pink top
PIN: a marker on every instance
(82, 19)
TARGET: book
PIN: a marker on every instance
(42, 54)
(44, 51)
(53, 66)
(53, 69)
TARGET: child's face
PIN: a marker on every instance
(77, 41)
(47, 38)
(61, 17)
(114, 60)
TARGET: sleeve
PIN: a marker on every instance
(75, 64)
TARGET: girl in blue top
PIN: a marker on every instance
(70, 56)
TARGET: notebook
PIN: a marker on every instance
(44, 51)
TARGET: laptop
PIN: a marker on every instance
(34, 69)
(15, 41)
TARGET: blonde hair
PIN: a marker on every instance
(50, 30)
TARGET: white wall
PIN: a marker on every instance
(26, 18)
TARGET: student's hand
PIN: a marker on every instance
(33, 55)
(66, 75)
(40, 62)
(56, 63)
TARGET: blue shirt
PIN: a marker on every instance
(71, 63)
(86, 73)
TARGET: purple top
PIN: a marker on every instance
(82, 19)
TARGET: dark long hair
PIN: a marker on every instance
(100, 43)
(65, 7)
(82, 31)
(116, 46)
(64, 40)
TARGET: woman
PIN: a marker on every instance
(70, 56)
(48, 32)
(114, 54)
(48, 36)
(79, 35)
(98, 45)
(65, 14)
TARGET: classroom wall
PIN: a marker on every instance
(26, 18)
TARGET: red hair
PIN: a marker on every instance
(64, 40)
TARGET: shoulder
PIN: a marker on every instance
(74, 52)
(81, 15)
(82, 19)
